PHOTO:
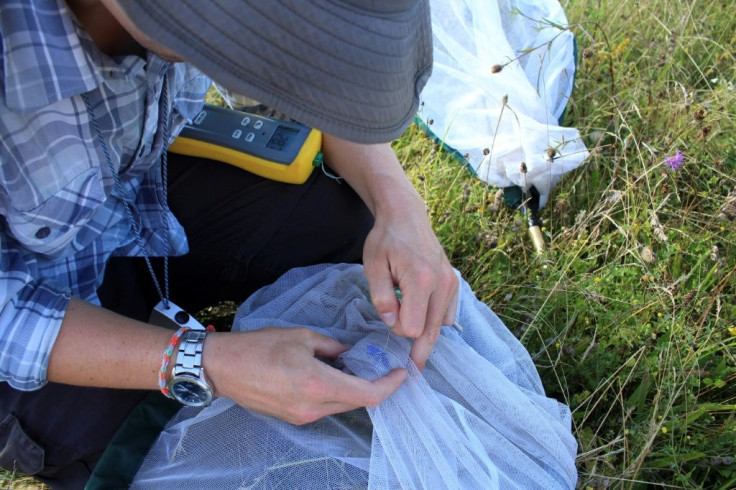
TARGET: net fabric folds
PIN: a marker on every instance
(502, 75)
(477, 417)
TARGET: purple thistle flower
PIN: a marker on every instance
(675, 162)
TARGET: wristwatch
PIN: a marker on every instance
(188, 383)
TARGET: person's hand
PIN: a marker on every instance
(274, 371)
(401, 250)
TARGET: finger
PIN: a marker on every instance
(451, 312)
(332, 408)
(441, 311)
(383, 294)
(321, 345)
(340, 392)
(347, 388)
(423, 345)
(353, 391)
(416, 292)
(324, 390)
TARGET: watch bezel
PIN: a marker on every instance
(201, 384)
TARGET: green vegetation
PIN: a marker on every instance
(630, 313)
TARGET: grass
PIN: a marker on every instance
(12, 481)
(630, 313)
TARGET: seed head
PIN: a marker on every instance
(496, 68)
(466, 192)
(588, 53)
(647, 255)
(497, 201)
(699, 115)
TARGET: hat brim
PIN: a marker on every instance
(350, 71)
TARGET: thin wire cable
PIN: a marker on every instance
(165, 186)
(164, 294)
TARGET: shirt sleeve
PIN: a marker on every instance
(30, 318)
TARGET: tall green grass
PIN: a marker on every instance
(630, 313)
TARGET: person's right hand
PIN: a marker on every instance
(274, 371)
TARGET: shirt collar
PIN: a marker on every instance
(47, 56)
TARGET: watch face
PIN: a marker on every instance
(190, 392)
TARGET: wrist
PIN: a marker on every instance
(214, 360)
(397, 204)
(167, 366)
(182, 374)
(224, 358)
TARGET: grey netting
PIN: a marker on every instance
(476, 418)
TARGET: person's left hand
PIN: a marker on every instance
(401, 250)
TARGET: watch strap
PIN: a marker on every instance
(189, 355)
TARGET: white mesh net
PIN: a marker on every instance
(476, 418)
(498, 120)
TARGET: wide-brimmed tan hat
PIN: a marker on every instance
(350, 68)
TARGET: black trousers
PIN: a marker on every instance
(244, 232)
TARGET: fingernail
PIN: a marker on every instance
(389, 319)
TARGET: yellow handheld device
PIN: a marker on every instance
(274, 149)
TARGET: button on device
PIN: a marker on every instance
(245, 121)
(43, 232)
(258, 124)
(237, 133)
(200, 117)
(250, 137)
(181, 317)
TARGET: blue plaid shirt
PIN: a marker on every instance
(61, 214)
